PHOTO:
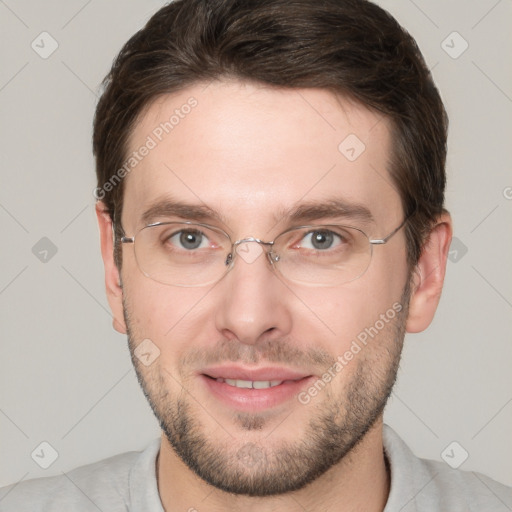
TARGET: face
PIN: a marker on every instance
(246, 159)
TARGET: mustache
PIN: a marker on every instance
(280, 351)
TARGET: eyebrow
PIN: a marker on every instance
(334, 208)
(170, 208)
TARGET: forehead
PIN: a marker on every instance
(249, 151)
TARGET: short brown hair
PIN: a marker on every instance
(350, 47)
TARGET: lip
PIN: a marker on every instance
(254, 400)
(244, 373)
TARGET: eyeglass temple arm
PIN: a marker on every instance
(380, 241)
(123, 239)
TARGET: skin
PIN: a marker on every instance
(251, 152)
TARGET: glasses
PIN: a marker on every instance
(190, 254)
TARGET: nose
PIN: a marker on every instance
(253, 302)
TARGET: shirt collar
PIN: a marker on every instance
(144, 496)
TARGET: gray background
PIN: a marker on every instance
(65, 375)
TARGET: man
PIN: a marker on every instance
(270, 203)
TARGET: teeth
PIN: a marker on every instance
(239, 383)
(248, 384)
(262, 384)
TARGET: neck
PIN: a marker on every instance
(359, 482)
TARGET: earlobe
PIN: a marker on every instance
(112, 277)
(428, 277)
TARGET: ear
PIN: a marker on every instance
(428, 277)
(112, 277)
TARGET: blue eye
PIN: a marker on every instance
(189, 239)
(321, 240)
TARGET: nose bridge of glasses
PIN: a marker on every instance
(250, 249)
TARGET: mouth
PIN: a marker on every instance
(251, 384)
(253, 390)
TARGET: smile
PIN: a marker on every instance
(248, 384)
(252, 390)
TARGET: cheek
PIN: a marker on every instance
(340, 314)
(343, 314)
(169, 316)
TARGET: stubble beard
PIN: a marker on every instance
(261, 468)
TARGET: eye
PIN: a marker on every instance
(189, 239)
(321, 240)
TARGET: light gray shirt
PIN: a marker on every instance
(127, 482)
